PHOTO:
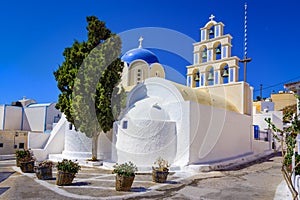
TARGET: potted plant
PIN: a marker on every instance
(44, 170)
(25, 161)
(22, 155)
(160, 171)
(66, 170)
(125, 174)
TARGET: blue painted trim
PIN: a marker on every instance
(4, 116)
(45, 121)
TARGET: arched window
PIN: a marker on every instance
(157, 74)
(139, 76)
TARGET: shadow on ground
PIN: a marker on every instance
(261, 160)
(139, 189)
(5, 175)
(81, 183)
(3, 189)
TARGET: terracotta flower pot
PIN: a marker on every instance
(159, 176)
(124, 183)
(27, 167)
(64, 178)
(43, 173)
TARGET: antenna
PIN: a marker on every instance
(245, 32)
(245, 60)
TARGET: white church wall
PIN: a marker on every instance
(179, 113)
(233, 93)
(217, 134)
(13, 118)
(143, 141)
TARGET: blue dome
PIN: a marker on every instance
(139, 53)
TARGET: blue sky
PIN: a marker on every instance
(35, 33)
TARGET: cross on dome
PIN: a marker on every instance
(211, 17)
(141, 41)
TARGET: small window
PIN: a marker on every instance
(1, 145)
(21, 145)
(125, 124)
(139, 70)
(15, 146)
(70, 126)
(138, 79)
(16, 134)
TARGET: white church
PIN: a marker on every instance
(208, 120)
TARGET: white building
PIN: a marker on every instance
(209, 120)
(23, 117)
(27, 115)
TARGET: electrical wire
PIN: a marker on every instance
(277, 84)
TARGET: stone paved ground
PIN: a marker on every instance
(256, 181)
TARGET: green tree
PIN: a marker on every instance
(287, 137)
(87, 79)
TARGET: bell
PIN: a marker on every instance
(210, 77)
(196, 77)
(204, 54)
(218, 50)
(211, 32)
(225, 73)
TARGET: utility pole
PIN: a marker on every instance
(261, 91)
(245, 60)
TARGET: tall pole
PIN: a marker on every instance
(261, 91)
(245, 60)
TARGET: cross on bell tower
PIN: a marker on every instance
(141, 41)
(211, 17)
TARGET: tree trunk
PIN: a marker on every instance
(95, 146)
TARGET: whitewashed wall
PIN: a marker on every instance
(55, 143)
(35, 118)
(276, 118)
(51, 113)
(76, 144)
(37, 140)
(217, 134)
(13, 118)
(146, 140)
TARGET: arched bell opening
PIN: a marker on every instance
(203, 53)
(217, 51)
(209, 76)
(211, 32)
(195, 78)
(224, 74)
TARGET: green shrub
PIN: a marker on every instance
(68, 166)
(23, 155)
(126, 169)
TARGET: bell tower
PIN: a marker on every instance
(213, 63)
